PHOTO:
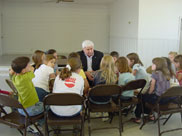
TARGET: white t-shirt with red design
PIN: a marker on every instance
(41, 79)
(74, 84)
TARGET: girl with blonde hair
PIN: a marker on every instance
(106, 75)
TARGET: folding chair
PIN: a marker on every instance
(104, 90)
(62, 99)
(131, 86)
(14, 119)
(11, 85)
(173, 104)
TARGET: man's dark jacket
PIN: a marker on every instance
(96, 59)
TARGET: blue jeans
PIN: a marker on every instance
(146, 98)
(33, 110)
(41, 93)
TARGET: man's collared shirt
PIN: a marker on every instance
(89, 62)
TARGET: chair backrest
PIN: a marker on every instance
(63, 99)
(11, 85)
(175, 91)
(6, 100)
(62, 57)
(62, 62)
(105, 90)
(135, 84)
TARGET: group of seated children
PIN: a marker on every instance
(33, 85)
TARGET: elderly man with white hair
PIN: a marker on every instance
(90, 58)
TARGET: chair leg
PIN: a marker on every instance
(120, 123)
(181, 117)
(25, 130)
(82, 127)
(158, 124)
(167, 119)
(89, 124)
(38, 129)
(143, 118)
(86, 114)
(111, 117)
(46, 129)
(20, 131)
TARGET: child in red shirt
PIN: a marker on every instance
(178, 65)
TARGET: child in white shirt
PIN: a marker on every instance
(42, 74)
(69, 81)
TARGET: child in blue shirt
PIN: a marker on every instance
(125, 76)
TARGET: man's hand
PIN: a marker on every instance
(89, 75)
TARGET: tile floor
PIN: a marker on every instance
(130, 129)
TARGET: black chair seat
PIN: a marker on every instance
(128, 103)
(13, 119)
(164, 109)
(111, 107)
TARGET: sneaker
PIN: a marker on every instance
(136, 120)
(105, 114)
(96, 114)
(32, 129)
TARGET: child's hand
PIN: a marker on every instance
(31, 69)
(11, 72)
(11, 93)
(89, 75)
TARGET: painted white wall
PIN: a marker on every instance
(35, 25)
(158, 28)
(124, 26)
(0, 28)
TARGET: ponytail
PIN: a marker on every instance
(65, 73)
(73, 65)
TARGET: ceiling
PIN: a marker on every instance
(75, 1)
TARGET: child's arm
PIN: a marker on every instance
(86, 86)
(31, 68)
(134, 72)
(152, 86)
(51, 81)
